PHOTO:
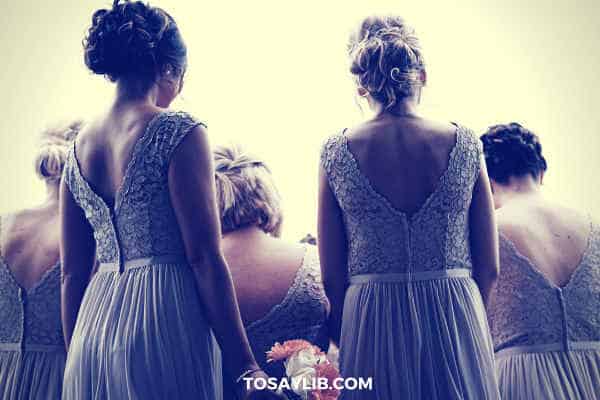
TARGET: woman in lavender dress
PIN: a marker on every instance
(138, 196)
(545, 312)
(278, 283)
(32, 351)
(407, 236)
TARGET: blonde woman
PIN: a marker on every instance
(278, 283)
(407, 236)
(32, 351)
(544, 314)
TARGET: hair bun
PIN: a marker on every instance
(52, 152)
(234, 158)
(246, 193)
(386, 59)
(125, 39)
(512, 150)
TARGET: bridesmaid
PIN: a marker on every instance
(138, 195)
(544, 314)
(405, 219)
(288, 300)
(32, 352)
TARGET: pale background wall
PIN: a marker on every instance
(273, 76)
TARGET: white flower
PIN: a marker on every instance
(300, 368)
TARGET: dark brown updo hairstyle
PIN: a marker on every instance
(386, 59)
(512, 150)
(133, 40)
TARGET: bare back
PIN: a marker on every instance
(403, 158)
(280, 292)
(553, 238)
(105, 148)
(263, 269)
(29, 244)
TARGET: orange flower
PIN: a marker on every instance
(283, 351)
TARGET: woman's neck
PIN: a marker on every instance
(132, 94)
(246, 233)
(518, 189)
(52, 193)
(406, 108)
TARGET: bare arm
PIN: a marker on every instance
(192, 189)
(484, 235)
(333, 254)
(77, 253)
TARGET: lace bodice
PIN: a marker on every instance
(383, 239)
(30, 317)
(527, 309)
(142, 222)
(301, 315)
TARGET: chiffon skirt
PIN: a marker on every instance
(142, 335)
(422, 339)
(573, 375)
(35, 375)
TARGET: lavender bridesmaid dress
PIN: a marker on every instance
(413, 317)
(547, 338)
(140, 332)
(32, 347)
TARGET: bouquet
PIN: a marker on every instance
(310, 374)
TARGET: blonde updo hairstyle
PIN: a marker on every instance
(52, 150)
(386, 59)
(246, 193)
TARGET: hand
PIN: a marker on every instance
(255, 394)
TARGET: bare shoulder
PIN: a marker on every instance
(512, 220)
(23, 224)
(520, 221)
(16, 220)
(572, 221)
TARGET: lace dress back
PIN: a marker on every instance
(383, 239)
(546, 337)
(413, 318)
(32, 347)
(142, 222)
(302, 314)
(141, 330)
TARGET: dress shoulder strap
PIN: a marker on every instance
(168, 130)
(1, 220)
(330, 150)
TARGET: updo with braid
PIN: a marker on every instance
(52, 150)
(133, 39)
(386, 59)
(512, 150)
(246, 193)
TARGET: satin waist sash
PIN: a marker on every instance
(142, 262)
(411, 276)
(547, 348)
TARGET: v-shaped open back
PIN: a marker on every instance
(137, 149)
(143, 302)
(575, 271)
(48, 271)
(529, 313)
(382, 238)
(421, 206)
(142, 222)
